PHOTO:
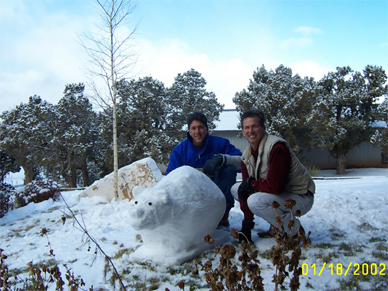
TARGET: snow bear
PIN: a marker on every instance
(174, 216)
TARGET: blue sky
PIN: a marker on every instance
(225, 40)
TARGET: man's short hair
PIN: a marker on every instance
(254, 113)
(198, 116)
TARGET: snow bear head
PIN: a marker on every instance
(149, 208)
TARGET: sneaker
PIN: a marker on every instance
(271, 232)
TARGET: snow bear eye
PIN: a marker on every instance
(149, 203)
(135, 202)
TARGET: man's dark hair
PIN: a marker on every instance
(254, 113)
(198, 116)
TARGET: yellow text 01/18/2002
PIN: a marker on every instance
(374, 269)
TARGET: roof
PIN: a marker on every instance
(229, 120)
(379, 123)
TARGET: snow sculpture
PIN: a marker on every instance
(144, 173)
(174, 217)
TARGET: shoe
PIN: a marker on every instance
(300, 235)
(297, 239)
(224, 222)
(245, 232)
(301, 231)
(271, 232)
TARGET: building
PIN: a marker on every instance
(227, 127)
(364, 155)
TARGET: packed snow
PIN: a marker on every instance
(174, 216)
(348, 224)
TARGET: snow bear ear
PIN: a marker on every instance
(137, 190)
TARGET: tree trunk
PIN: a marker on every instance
(28, 173)
(115, 155)
(85, 173)
(113, 86)
(73, 183)
(341, 166)
(68, 177)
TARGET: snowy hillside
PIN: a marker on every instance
(348, 223)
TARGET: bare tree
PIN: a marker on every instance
(111, 57)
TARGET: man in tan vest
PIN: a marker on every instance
(270, 172)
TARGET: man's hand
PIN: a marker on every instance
(245, 189)
(209, 169)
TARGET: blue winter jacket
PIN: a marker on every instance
(187, 154)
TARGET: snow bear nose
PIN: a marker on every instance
(137, 213)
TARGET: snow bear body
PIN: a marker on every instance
(174, 216)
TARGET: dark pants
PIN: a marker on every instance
(225, 178)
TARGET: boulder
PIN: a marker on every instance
(144, 173)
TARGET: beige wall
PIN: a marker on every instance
(231, 135)
(364, 155)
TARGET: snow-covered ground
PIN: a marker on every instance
(348, 223)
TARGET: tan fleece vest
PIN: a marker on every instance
(299, 179)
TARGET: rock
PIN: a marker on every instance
(144, 173)
(174, 217)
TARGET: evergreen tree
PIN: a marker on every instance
(342, 117)
(142, 118)
(186, 95)
(76, 132)
(7, 164)
(285, 100)
(100, 162)
(26, 132)
(380, 137)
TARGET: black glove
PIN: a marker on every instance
(209, 169)
(245, 189)
(245, 232)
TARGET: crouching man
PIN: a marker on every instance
(270, 172)
(216, 156)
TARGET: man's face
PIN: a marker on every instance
(198, 132)
(252, 131)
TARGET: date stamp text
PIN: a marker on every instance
(374, 269)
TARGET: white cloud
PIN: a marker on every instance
(40, 60)
(164, 60)
(9, 9)
(299, 42)
(307, 30)
(50, 46)
(16, 88)
(45, 57)
(296, 42)
(310, 69)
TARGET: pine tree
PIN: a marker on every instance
(7, 164)
(186, 95)
(285, 100)
(343, 115)
(380, 137)
(142, 117)
(76, 132)
(26, 132)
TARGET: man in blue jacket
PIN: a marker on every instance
(216, 156)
